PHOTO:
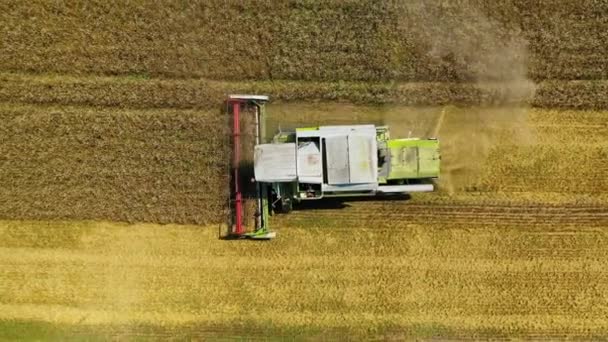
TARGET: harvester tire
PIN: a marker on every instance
(286, 205)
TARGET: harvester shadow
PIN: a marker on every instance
(343, 202)
(230, 237)
(238, 237)
(246, 180)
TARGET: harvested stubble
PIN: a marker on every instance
(488, 149)
(123, 165)
(443, 271)
(356, 40)
(569, 155)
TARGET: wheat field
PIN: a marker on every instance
(114, 159)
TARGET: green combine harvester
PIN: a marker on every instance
(314, 163)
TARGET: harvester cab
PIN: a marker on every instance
(313, 163)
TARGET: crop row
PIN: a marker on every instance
(200, 93)
(304, 40)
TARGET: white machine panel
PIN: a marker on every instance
(387, 189)
(362, 154)
(310, 166)
(337, 160)
(327, 131)
(275, 163)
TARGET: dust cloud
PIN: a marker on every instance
(466, 46)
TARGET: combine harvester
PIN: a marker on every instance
(313, 163)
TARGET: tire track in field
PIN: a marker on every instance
(371, 214)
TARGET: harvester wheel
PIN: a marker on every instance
(286, 205)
